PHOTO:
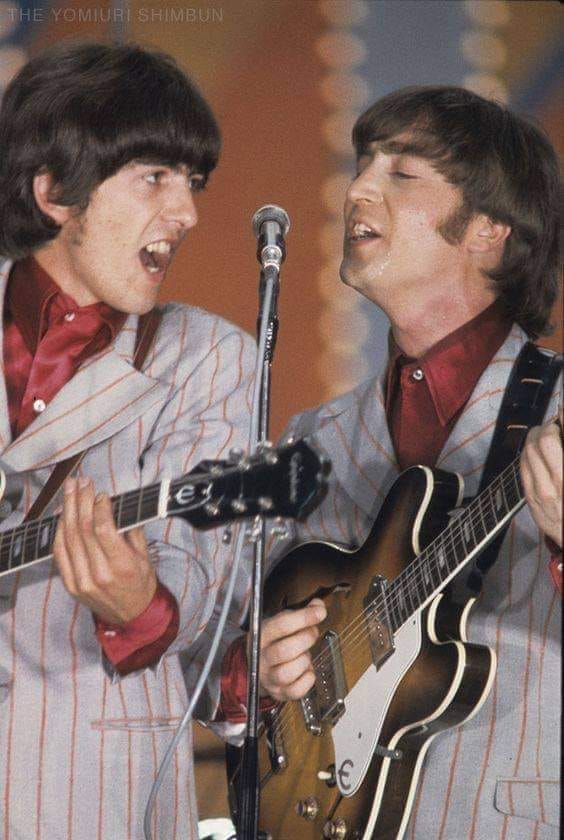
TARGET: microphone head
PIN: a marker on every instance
(271, 213)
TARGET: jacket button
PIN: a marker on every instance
(418, 375)
(38, 406)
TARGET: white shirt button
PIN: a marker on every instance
(70, 316)
(418, 375)
(38, 406)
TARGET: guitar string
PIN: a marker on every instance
(287, 722)
(30, 531)
(417, 571)
(365, 623)
(420, 570)
(474, 512)
(136, 499)
(133, 501)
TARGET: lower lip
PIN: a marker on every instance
(358, 243)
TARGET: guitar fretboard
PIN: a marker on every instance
(442, 559)
(32, 541)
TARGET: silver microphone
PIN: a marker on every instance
(270, 226)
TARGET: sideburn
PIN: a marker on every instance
(453, 228)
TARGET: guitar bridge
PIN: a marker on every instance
(311, 712)
(378, 621)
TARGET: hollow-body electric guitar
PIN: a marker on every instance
(393, 665)
(282, 482)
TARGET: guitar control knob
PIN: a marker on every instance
(328, 776)
(335, 829)
(307, 808)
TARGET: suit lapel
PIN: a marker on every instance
(104, 395)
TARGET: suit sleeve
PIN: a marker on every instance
(207, 414)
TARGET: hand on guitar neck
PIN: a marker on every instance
(541, 474)
(108, 572)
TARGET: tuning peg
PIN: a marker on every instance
(252, 534)
(265, 503)
(239, 506)
(211, 509)
(280, 529)
(236, 454)
(216, 470)
(227, 536)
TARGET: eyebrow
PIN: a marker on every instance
(392, 147)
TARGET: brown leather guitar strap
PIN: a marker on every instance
(146, 329)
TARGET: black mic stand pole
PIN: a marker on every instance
(249, 783)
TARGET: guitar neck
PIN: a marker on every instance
(467, 534)
(284, 482)
(32, 541)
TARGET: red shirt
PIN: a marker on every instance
(425, 397)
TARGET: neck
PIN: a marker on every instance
(422, 321)
(51, 261)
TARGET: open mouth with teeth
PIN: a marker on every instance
(156, 256)
(361, 231)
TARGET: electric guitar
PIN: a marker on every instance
(284, 482)
(393, 665)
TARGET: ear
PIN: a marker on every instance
(483, 235)
(45, 190)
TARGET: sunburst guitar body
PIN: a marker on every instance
(393, 665)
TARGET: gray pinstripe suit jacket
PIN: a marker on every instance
(79, 747)
(497, 776)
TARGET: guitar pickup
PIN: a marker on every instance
(330, 685)
(378, 621)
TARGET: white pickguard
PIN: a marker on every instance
(356, 733)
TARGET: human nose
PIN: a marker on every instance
(367, 187)
(181, 207)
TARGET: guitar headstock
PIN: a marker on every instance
(287, 482)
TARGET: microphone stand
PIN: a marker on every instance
(249, 783)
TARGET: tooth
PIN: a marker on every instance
(160, 247)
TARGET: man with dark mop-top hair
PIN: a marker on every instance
(102, 150)
(451, 229)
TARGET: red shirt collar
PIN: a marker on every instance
(34, 300)
(453, 366)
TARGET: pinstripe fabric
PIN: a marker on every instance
(493, 778)
(79, 747)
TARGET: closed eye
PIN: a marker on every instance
(404, 176)
(156, 176)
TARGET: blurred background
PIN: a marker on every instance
(286, 80)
